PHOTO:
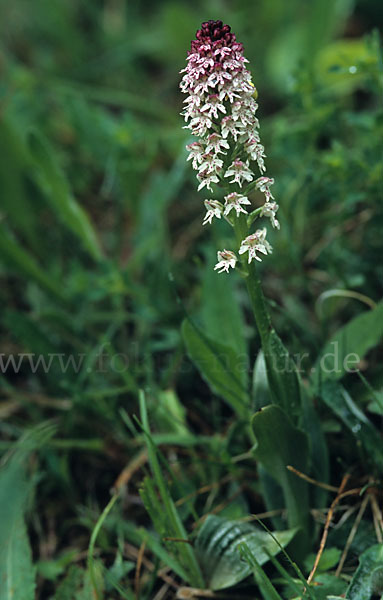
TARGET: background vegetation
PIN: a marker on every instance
(102, 255)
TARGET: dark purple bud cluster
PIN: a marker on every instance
(214, 34)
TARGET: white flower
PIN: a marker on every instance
(256, 242)
(219, 78)
(196, 150)
(263, 185)
(256, 151)
(243, 111)
(212, 106)
(214, 209)
(206, 180)
(269, 209)
(228, 125)
(226, 259)
(199, 125)
(235, 200)
(215, 142)
(240, 172)
(227, 93)
(210, 163)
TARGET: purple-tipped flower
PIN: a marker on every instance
(220, 110)
(256, 242)
(226, 259)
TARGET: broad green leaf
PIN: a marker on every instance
(349, 345)
(218, 298)
(282, 375)
(217, 549)
(368, 437)
(272, 495)
(58, 195)
(329, 584)
(219, 366)
(368, 578)
(319, 454)
(328, 560)
(279, 444)
(17, 573)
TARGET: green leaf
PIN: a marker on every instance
(272, 494)
(170, 414)
(319, 454)
(368, 578)
(282, 375)
(17, 573)
(14, 255)
(267, 589)
(70, 585)
(279, 444)
(218, 297)
(328, 560)
(367, 436)
(261, 393)
(218, 365)
(349, 345)
(173, 520)
(328, 584)
(15, 202)
(59, 196)
(153, 506)
(217, 549)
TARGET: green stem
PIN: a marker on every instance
(253, 283)
(92, 543)
(282, 378)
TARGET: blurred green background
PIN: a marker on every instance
(101, 244)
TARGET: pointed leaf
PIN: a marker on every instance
(282, 375)
(218, 297)
(340, 401)
(278, 444)
(218, 365)
(349, 345)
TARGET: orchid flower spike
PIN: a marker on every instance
(220, 110)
